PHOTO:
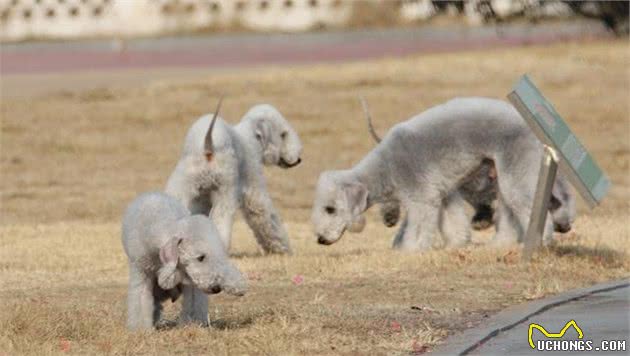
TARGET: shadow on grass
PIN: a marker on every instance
(164, 324)
(238, 255)
(232, 324)
(220, 324)
(229, 322)
(343, 254)
(600, 254)
(340, 254)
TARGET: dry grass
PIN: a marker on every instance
(71, 161)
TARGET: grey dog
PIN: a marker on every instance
(480, 189)
(221, 171)
(170, 253)
(422, 162)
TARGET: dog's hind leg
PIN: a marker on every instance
(516, 195)
(399, 235)
(454, 225)
(508, 229)
(224, 206)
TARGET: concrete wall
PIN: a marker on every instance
(29, 19)
(24, 19)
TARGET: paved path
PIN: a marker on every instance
(602, 312)
(238, 50)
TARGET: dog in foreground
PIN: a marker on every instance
(422, 162)
(172, 252)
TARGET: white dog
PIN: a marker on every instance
(171, 252)
(221, 170)
(480, 189)
(422, 162)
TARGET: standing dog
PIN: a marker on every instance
(422, 162)
(171, 252)
(221, 170)
(479, 189)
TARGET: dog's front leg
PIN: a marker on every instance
(141, 305)
(194, 306)
(265, 222)
(419, 226)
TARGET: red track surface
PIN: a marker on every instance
(238, 53)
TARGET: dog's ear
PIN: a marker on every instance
(168, 274)
(169, 253)
(262, 131)
(356, 196)
(357, 225)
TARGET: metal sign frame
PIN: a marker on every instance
(574, 160)
(562, 148)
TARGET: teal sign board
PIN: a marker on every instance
(575, 161)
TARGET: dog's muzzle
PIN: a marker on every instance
(285, 164)
(562, 228)
(214, 289)
(322, 240)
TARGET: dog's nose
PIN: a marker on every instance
(216, 289)
(299, 160)
(321, 240)
(562, 228)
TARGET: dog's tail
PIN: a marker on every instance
(208, 146)
(368, 118)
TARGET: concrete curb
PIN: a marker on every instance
(470, 340)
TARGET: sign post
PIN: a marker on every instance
(536, 228)
(563, 149)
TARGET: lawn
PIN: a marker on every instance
(70, 161)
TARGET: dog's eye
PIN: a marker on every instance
(283, 135)
(201, 258)
(330, 210)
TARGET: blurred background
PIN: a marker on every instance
(60, 35)
(73, 19)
